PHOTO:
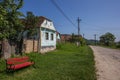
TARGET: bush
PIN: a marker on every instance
(59, 45)
(2, 65)
(82, 41)
(118, 45)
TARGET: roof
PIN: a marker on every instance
(42, 17)
(65, 35)
(42, 20)
(57, 33)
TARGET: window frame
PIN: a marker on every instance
(46, 36)
(52, 36)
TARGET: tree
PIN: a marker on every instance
(4, 27)
(77, 39)
(118, 44)
(107, 39)
(9, 22)
(12, 15)
(31, 25)
(3, 22)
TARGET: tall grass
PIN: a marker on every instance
(67, 62)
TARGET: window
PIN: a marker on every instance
(46, 22)
(52, 37)
(46, 35)
(50, 24)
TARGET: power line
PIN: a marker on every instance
(62, 12)
(92, 25)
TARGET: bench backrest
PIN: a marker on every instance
(17, 60)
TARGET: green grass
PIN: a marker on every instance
(68, 62)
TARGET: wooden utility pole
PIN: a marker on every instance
(78, 20)
(95, 38)
(83, 35)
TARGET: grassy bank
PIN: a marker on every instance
(68, 62)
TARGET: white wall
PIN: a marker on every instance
(48, 42)
(47, 26)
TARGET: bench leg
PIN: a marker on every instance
(33, 66)
(9, 71)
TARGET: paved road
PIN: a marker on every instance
(107, 63)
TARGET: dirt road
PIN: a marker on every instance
(107, 63)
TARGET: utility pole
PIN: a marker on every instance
(83, 35)
(78, 20)
(95, 38)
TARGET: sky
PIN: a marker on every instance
(97, 16)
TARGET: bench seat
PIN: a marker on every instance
(18, 63)
(18, 66)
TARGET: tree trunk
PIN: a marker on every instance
(6, 49)
(20, 47)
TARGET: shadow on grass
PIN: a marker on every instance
(5, 74)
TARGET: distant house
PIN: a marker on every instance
(45, 40)
(70, 38)
(65, 37)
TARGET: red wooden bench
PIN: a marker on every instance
(18, 63)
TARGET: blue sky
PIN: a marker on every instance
(98, 16)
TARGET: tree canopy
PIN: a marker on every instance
(107, 39)
(3, 22)
(31, 24)
(9, 18)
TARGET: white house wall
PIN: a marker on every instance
(49, 42)
(48, 24)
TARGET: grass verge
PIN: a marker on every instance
(68, 62)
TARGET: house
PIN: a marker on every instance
(45, 39)
(70, 38)
(65, 37)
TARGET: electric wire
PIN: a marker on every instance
(62, 12)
